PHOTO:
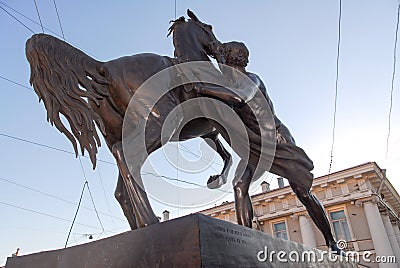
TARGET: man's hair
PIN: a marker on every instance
(235, 53)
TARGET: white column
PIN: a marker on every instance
(307, 231)
(391, 235)
(378, 233)
(396, 232)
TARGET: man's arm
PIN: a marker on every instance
(232, 95)
(257, 80)
(221, 93)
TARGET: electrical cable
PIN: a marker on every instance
(40, 20)
(50, 147)
(90, 193)
(31, 20)
(76, 213)
(105, 196)
(336, 85)
(179, 180)
(54, 196)
(16, 83)
(45, 214)
(95, 209)
(17, 19)
(393, 78)
(59, 20)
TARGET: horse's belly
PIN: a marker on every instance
(194, 129)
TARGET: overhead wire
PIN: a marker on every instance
(76, 213)
(23, 24)
(37, 23)
(105, 196)
(51, 147)
(31, 20)
(90, 193)
(16, 83)
(336, 85)
(46, 214)
(393, 78)
(177, 177)
(203, 159)
(177, 151)
(40, 20)
(175, 9)
(179, 180)
(8, 180)
(59, 20)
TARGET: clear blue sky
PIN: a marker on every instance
(293, 49)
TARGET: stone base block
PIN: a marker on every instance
(195, 240)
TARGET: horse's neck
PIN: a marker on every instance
(189, 55)
(186, 49)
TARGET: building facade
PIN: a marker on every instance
(361, 204)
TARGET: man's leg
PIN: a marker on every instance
(317, 214)
(243, 207)
(292, 163)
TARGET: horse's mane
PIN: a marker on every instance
(174, 24)
(66, 79)
(176, 37)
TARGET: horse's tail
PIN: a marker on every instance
(66, 79)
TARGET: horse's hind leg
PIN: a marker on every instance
(121, 194)
(138, 197)
(217, 181)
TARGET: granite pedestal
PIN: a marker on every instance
(195, 240)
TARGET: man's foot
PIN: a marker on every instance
(216, 181)
(336, 250)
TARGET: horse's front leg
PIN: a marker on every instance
(121, 194)
(138, 197)
(217, 181)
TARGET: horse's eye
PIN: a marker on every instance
(209, 27)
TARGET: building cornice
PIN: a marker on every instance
(364, 172)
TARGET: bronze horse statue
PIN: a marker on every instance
(90, 93)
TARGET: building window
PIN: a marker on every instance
(280, 230)
(340, 226)
(226, 217)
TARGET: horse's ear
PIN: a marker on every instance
(192, 15)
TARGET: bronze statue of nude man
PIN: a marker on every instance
(290, 161)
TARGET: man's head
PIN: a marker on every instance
(235, 54)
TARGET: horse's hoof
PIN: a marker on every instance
(215, 182)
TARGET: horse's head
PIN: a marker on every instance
(193, 39)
